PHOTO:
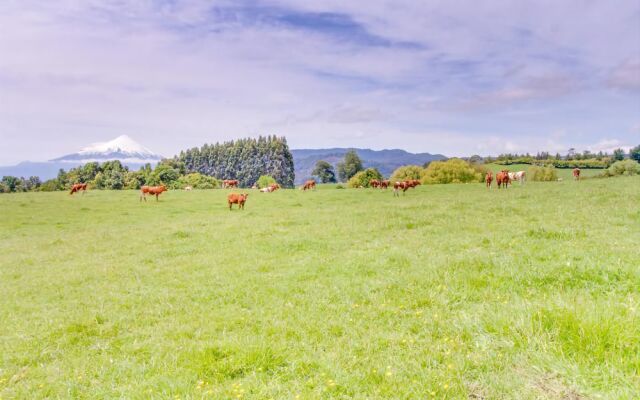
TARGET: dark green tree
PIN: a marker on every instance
(618, 154)
(324, 171)
(634, 153)
(351, 165)
(10, 183)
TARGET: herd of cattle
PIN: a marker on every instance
(503, 179)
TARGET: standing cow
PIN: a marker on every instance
(576, 174)
(502, 178)
(230, 183)
(239, 199)
(152, 190)
(517, 176)
(489, 179)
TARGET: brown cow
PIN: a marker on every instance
(489, 179)
(310, 184)
(576, 174)
(374, 183)
(413, 182)
(239, 199)
(230, 183)
(384, 184)
(502, 178)
(152, 190)
(78, 187)
(406, 185)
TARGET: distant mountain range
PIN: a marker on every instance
(386, 161)
(134, 155)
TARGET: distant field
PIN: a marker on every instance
(564, 173)
(448, 292)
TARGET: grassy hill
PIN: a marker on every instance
(451, 291)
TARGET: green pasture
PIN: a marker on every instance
(563, 173)
(447, 292)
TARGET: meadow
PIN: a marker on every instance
(447, 292)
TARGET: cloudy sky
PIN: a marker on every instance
(451, 77)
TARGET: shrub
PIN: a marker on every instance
(265, 180)
(542, 174)
(453, 170)
(481, 169)
(626, 167)
(197, 181)
(407, 172)
(362, 178)
(340, 186)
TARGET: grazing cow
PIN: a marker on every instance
(576, 174)
(384, 184)
(488, 179)
(78, 187)
(239, 199)
(517, 176)
(310, 184)
(374, 183)
(152, 190)
(230, 183)
(502, 178)
(188, 188)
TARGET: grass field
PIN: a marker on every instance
(448, 292)
(563, 173)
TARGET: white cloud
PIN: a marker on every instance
(173, 75)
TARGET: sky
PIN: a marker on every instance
(451, 77)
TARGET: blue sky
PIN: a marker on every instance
(455, 77)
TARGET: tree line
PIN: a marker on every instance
(572, 159)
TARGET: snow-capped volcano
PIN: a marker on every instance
(122, 148)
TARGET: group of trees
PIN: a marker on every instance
(10, 184)
(244, 159)
(347, 169)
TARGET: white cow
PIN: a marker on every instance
(517, 176)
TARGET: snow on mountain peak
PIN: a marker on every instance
(121, 148)
(121, 144)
